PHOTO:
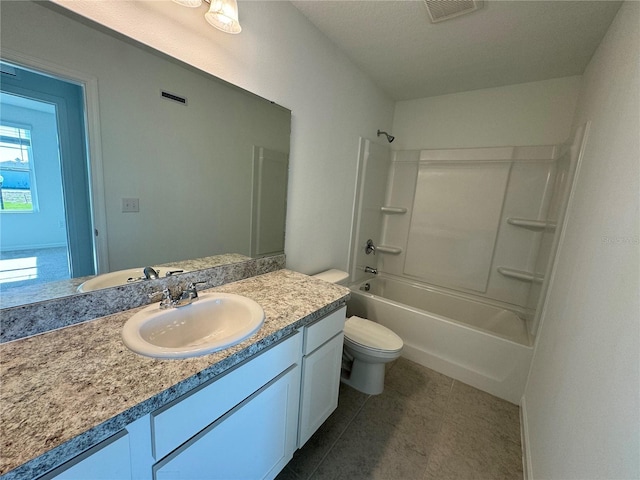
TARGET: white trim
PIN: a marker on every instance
(527, 468)
(98, 204)
(94, 140)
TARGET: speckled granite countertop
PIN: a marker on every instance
(68, 389)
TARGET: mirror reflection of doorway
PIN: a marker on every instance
(45, 220)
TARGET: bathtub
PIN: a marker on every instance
(477, 343)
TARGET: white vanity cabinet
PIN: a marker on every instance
(178, 422)
(322, 349)
(254, 441)
(244, 424)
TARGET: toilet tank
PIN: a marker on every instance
(333, 276)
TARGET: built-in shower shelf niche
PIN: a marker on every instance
(393, 210)
(537, 225)
(521, 275)
(389, 249)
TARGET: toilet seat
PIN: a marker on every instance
(371, 335)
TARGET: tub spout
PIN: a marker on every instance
(371, 270)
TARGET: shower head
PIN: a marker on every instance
(390, 138)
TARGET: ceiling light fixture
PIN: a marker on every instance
(222, 14)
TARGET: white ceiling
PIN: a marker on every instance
(504, 43)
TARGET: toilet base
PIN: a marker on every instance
(366, 377)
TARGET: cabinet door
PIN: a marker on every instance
(254, 440)
(106, 461)
(320, 384)
(179, 421)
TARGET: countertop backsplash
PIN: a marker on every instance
(43, 316)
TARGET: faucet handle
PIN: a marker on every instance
(370, 247)
(172, 272)
(167, 299)
(192, 289)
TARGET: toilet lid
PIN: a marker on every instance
(372, 335)
(332, 276)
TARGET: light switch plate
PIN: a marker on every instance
(130, 205)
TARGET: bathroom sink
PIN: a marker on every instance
(213, 322)
(120, 277)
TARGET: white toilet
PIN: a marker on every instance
(368, 346)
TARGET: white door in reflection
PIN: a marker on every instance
(269, 201)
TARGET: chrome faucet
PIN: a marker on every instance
(370, 270)
(167, 298)
(180, 299)
(150, 273)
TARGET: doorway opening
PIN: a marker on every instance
(46, 231)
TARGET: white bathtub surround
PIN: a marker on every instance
(457, 233)
(570, 155)
(466, 223)
(477, 343)
(455, 217)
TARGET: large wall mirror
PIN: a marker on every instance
(182, 165)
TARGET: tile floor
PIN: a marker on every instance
(424, 426)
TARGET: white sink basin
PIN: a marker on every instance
(214, 321)
(120, 277)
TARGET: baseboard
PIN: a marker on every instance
(524, 440)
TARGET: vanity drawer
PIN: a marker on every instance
(107, 460)
(324, 329)
(253, 441)
(177, 422)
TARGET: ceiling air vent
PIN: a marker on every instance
(441, 10)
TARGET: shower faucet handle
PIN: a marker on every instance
(370, 247)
